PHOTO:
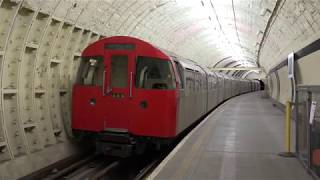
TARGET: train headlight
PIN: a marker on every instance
(93, 101)
(143, 104)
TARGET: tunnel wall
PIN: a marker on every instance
(308, 69)
(293, 28)
(39, 56)
(307, 72)
(274, 84)
(295, 25)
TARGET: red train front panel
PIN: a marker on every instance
(126, 84)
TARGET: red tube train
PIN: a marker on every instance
(129, 94)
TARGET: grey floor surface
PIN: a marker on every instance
(239, 141)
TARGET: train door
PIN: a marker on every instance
(117, 89)
(154, 108)
(87, 102)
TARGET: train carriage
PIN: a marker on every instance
(129, 94)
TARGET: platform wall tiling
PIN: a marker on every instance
(39, 57)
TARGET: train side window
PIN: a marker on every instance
(153, 73)
(190, 81)
(180, 73)
(213, 80)
(91, 71)
(203, 82)
(197, 82)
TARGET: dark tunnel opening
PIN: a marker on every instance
(261, 84)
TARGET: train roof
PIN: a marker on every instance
(144, 47)
(185, 63)
(210, 73)
(124, 43)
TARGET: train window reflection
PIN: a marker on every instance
(180, 72)
(119, 71)
(91, 71)
(153, 73)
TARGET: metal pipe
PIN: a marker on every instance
(287, 134)
(104, 83)
(130, 90)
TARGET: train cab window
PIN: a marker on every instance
(91, 71)
(119, 71)
(180, 72)
(153, 73)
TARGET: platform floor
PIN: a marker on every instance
(238, 141)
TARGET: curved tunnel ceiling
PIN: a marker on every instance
(206, 31)
(251, 31)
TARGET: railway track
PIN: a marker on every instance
(97, 167)
(94, 171)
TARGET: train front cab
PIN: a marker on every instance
(124, 93)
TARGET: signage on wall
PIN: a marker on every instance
(291, 65)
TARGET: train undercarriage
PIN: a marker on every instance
(120, 143)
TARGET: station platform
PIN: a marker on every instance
(239, 140)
